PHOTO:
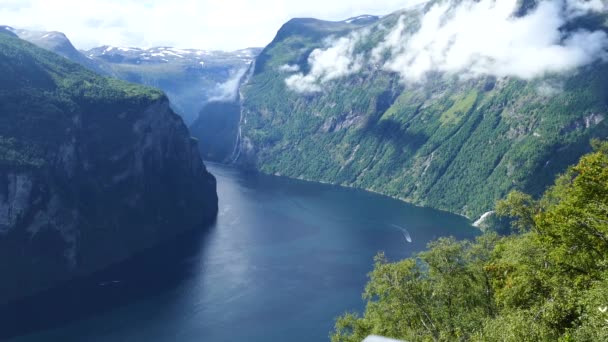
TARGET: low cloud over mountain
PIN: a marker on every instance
(469, 38)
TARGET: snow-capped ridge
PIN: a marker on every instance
(166, 54)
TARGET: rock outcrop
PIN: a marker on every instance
(92, 170)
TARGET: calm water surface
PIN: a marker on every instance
(283, 260)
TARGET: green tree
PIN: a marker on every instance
(549, 271)
(547, 283)
(440, 295)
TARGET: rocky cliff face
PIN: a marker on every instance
(217, 129)
(92, 170)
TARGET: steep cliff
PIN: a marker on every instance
(437, 105)
(92, 170)
(217, 129)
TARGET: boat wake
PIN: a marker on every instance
(404, 231)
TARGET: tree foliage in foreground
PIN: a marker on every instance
(547, 283)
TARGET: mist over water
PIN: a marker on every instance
(283, 260)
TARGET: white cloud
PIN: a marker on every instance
(204, 24)
(484, 37)
(289, 68)
(578, 7)
(335, 61)
(549, 88)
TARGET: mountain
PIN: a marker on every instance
(7, 30)
(58, 43)
(92, 170)
(190, 77)
(437, 112)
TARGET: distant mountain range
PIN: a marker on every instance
(189, 77)
(165, 55)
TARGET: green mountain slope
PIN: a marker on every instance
(58, 43)
(189, 77)
(451, 143)
(92, 170)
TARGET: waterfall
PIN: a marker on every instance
(236, 153)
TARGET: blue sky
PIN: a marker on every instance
(205, 24)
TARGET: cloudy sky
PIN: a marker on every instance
(205, 24)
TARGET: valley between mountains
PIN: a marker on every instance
(486, 120)
(448, 143)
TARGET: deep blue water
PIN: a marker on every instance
(283, 260)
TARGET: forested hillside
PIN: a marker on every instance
(547, 283)
(349, 103)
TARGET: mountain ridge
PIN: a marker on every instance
(189, 77)
(455, 144)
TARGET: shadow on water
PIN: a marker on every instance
(284, 259)
(145, 275)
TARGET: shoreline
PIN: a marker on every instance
(236, 166)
